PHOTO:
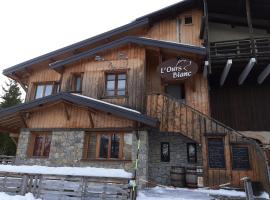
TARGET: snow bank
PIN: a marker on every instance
(76, 171)
(4, 196)
(166, 193)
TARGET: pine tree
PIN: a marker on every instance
(11, 97)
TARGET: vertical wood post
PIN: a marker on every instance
(24, 185)
(250, 27)
(248, 188)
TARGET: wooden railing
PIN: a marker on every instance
(7, 160)
(240, 49)
(50, 187)
(176, 116)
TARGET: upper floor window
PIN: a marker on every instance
(188, 20)
(77, 82)
(116, 84)
(46, 89)
(43, 90)
(40, 144)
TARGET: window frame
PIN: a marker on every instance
(74, 82)
(188, 16)
(162, 158)
(97, 147)
(249, 156)
(31, 144)
(116, 79)
(224, 152)
(196, 153)
(44, 84)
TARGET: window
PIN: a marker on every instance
(192, 152)
(40, 144)
(116, 84)
(104, 146)
(216, 157)
(176, 90)
(165, 152)
(43, 89)
(240, 157)
(77, 82)
(188, 20)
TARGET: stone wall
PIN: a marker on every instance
(159, 172)
(67, 150)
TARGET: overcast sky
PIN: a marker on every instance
(29, 28)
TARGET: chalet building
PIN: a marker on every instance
(186, 87)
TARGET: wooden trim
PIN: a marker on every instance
(31, 143)
(86, 146)
(122, 129)
(116, 73)
(249, 156)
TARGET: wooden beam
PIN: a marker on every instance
(250, 27)
(205, 69)
(246, 71)
(66, 111)
(23, 120)
(91, 119)
(225, 72)
(9, 130)
(264, 74)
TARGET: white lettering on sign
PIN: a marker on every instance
(180, 66)
(181, 74)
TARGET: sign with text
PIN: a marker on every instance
(177, 69)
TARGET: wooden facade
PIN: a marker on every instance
(193, 116)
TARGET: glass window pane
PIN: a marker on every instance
(39, 91)
(48, 90)
(110, 85)
(78, 83)
(115, 146)
(121, 76)
(110, 93)
(47, 145)
(38, 146)
(110, 77)
(104, 144)
(121, 92)
(121, 84)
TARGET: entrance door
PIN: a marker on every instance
(176, 90)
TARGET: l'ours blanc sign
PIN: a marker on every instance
(177, 69)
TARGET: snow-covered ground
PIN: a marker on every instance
(28, 196)
(76, 171)
(161, 193)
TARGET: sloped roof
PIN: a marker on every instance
(139, 22)
(82, 101)
(135, 40)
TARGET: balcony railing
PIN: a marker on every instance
(240, 49)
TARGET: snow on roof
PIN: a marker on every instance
(104, 102)
(73, 171)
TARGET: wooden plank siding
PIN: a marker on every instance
(94, 75)
(55, 117)
(167, 29)
(177, 116)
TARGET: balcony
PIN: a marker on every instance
(242, 49)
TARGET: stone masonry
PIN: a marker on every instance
(67, 150)
(159, 172)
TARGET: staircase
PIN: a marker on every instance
(176, 116)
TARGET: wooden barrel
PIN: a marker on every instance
(200, 178)
(178, 177)
(191, 177)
